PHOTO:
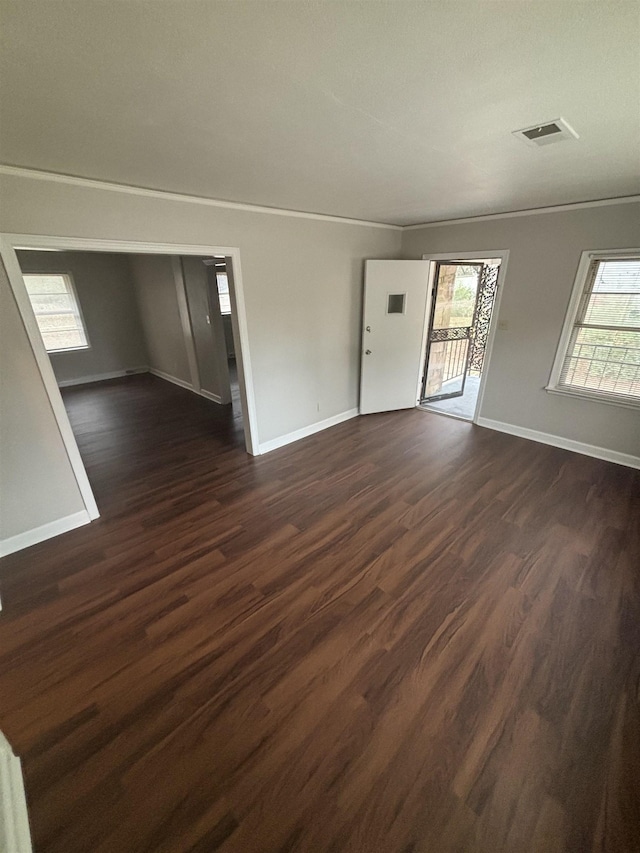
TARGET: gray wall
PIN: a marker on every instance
(208, 335)
(544, 253)
(303, 313)
(228, 335)
(155, 288)
(105, 291)
(37, 484)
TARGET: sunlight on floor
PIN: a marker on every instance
(461, 407)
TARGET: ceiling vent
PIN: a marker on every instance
(546, 133)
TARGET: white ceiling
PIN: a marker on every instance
(393, 111)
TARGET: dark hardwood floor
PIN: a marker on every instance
(404, 634)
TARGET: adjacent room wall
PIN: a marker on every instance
(544, 251)
(228, 335)
(104, 287)
(37, 484)
(155, 288)
(206, 329)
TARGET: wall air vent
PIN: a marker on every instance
(546, 133)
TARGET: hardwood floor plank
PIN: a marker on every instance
(404, 634)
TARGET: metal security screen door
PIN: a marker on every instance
(454, 305)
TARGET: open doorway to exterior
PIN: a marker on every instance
(462, 303)
(405, 325)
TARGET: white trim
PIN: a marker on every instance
(595, 397)
(186, 385)
(290, 437)
(209, 395)
(534, 211)
(16, 282)
(55, 177)
(503, 254)
(239, 321)
(15, 836)
(569, 319)
(466, 256)
(77, 313)
(92, 183)
(43, 242)
(564, 443)
(240, 335)
(102, 377)
(168, 377)
(136, 371)
(45, 531)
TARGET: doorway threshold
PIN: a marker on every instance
(425, 407)
(463, 406)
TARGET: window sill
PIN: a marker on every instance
(594, 397)
(66, 349)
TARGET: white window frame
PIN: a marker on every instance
(228, 294)
(78, 309)
(580, 283)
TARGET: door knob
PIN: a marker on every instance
(367, 352)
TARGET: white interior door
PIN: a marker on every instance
(395, 310)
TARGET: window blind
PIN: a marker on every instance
(603, 354)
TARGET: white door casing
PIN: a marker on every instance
(393, 334)
(8, 243)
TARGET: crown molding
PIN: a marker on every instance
(556, 208)
(56, 177)
(73, 180)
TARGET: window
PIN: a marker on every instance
(223, 292)
(599, 353)
(395, 303)
(55, 305)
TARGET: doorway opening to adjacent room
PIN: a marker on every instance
(115, 326)
(462, 301)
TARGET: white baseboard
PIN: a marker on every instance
(169, 378)
(116, 374)
(45, 531)
(564, 443)
(101, 377)
(290, 437)
(15, 836)
(209, 396)
(182, 384)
